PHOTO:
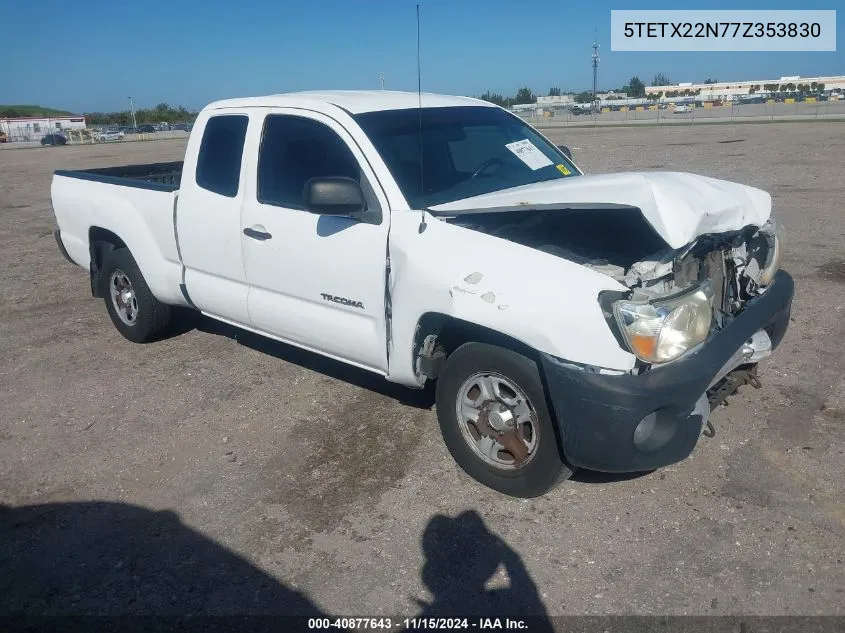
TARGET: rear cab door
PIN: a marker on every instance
(208, 217)
(317, 281)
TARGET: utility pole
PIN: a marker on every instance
(381, 79)
(134, 122)
(595, 68)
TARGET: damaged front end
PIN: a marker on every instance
(678, 298)
(730, 269)
(737, 266)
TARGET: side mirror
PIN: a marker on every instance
(566, 151)
(334, 195)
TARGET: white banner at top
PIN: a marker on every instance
(657, 30)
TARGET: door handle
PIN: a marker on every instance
(257, 235)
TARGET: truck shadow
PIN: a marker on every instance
(595, 477)
(418, 398)
(110, 559)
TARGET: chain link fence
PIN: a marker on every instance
(702, 112)
(88, 136)
(31, 133)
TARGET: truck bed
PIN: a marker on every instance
(155, 176)
(136, 203)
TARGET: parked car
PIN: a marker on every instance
(183, 127)
(146, 129)
(53, 139)
(578, 321)
(110, 135)
(680, 109)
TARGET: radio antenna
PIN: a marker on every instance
(419, 110)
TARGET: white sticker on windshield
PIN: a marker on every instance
(528, 153)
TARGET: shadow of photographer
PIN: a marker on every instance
(472, 572)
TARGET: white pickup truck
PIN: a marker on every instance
(570, 321)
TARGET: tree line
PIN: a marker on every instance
(634, 88)
(162, 113)
(523, 95)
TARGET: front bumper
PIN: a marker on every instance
(628, 423)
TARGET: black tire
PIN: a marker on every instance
(546, 468)
(153, 317)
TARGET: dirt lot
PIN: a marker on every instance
(201, 474)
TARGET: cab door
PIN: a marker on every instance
(317, 281)
(208, 219)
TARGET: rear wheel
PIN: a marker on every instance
(492, 411)
(133, 309)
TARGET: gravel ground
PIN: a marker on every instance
(216, 473)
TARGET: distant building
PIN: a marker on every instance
(35, 128)
(611, 96)
(551, 102)
(565, 101)
(729, 90)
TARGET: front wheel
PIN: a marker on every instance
(133, 309)
(492, 411)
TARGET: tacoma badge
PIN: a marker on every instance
(342, 300)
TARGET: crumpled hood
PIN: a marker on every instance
(680, 206)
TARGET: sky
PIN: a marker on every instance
(90, 55)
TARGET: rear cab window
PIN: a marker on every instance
(221, 153)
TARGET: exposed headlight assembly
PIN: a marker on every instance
(772, 231)
(660, 330)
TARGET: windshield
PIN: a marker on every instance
(467, 151)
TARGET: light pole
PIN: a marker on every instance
(595, 105)
(134, 122)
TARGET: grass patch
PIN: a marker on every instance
(30, 110)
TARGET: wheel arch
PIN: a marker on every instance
(437, 335)
(99, 241)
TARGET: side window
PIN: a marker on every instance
(221, 150)
(293, 150)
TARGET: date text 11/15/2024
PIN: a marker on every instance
(420, 623)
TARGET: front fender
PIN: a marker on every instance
(542, 301)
